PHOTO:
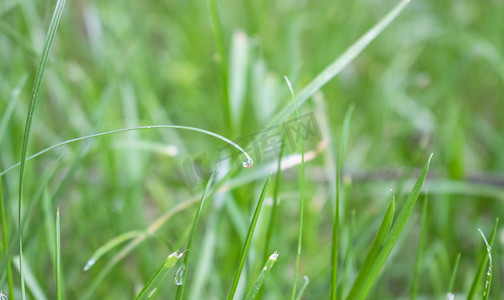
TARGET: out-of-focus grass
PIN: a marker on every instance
(432, 82)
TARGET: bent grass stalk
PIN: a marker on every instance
(248, 162)
(248, 239)
(53, 27)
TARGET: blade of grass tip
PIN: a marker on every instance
(347, 271)
(5, 235)
(58, 256)
(488, 282)
(248, 239)
(376, 246)
(303, 287)
(53, 26)
(301, 199)
(180, 289)
(111, 244)
(481, 269)
(252, 294)
(421, 244)
(157, 279)
(340, 63)
(363, 284)
(247, 163)
(450, 294)
(339, 194)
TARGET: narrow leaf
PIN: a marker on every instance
(262, 276)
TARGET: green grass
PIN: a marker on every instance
(101, 117)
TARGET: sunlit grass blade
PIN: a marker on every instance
(365, 280)
(180, 289)
(419, 258)
(454, 275)
(488, 282)
(5, 238)
(340, 63)
(339, 194)
(303, 288)
(57, 258)
(378, 242)
(482, 266)
(252, 294)
(108, 246)
(53, 26)
(248, 239)
(157, 279)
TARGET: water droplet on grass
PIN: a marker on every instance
(89, 264)
(179, 275)
(3, 297)
(248, 162)
(152, 292)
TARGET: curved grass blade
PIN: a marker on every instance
(366, 278)
(248, 240)
(339, 64)
(53, 26)
(419, 258)
(111, 244)
(180, 289)
(248, 159)
(5, 234)
(339, 180)
(303, 288)
(157, 279)
(252, 294)
(58, 257)
(481, 269)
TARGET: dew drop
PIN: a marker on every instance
(248, 162)
(3, 297)
(450, 296)
(152, 292)
(89, 264)
(179, 275)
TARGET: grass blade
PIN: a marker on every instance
(108, 246)
(419, 258)
(180, 289)
(453, 276)
(53, 26)
(481, 269)
(5, 234)
(339, 181)
(251, 230)
(488, 282)
(58, 257)
(262, 276)
(340, 63)
(303, 288)
(157, 279)
(366, 279)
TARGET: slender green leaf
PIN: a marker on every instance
(252, 294)
(339, 195)
(157, 279)
(57, 255)
(5, 235)
(366, 279)
(53, 26)
(488, 282)
(110, 245)
(180, 289)
(481, 269)
(339, 64)
(454, 274)
(421, 245)
(248, 240)
(303, 287)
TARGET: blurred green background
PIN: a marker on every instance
(430, 83)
